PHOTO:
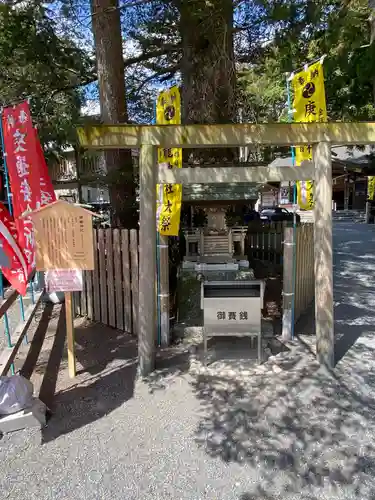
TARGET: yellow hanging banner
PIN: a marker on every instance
(169, 196)
(371, 188)
(309, 105)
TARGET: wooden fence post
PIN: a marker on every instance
(201, 242)
(70, 334)
(103, 277)
(147, 259)
(110, 278)
(134, 268)
(288, 291)
(118, 278)
(323, 255)
(230, 243)
(126, 281)
(96, 280)
(187, 247)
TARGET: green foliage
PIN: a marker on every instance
(350, 64)
(38, 64)
(305, 30)
(261, 93)
(270, 38)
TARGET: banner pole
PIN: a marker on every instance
(309, 105)
(10, 208)
(294, 241)
(308, 63)
(2, 293)
(158, 310)
(6, 176)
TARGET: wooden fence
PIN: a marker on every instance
(305, 276)
(264, 241)
(302, 287)
(110, 292)
(259, 240)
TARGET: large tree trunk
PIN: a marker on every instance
(208, 71)
(106, 27)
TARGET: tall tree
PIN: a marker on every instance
(106, 27)
(208, 68)
(193, 41)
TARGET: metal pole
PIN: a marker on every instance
(6, 322)
(288, 256)
(162, 278)
(164, 290)
(10, 206)
(158, 310)
(294, 240)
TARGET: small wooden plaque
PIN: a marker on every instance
(63, 237)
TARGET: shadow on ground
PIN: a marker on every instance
(106, 380)
(170, 364)
(107, 361)
(106, 371)
(306, 431)
(354, 285)
(37, 341)
(354, 288)
(303, 430)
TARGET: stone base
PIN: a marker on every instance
(24, 419)
(221, 258)
(229, 266)
(244, 264)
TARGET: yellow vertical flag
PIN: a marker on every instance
(169, 196)
(309, 105)
(371, 188)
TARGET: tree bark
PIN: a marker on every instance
(106, 27)
(208, 69)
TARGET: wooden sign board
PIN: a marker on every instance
(64, 280)
(63, 237)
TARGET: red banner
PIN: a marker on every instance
(15, 270)
(22, 162)
(46, 193)
(30, 182)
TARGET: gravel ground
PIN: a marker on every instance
(234, 431)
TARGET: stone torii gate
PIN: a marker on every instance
(149, 138)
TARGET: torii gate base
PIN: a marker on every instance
(149, 138)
